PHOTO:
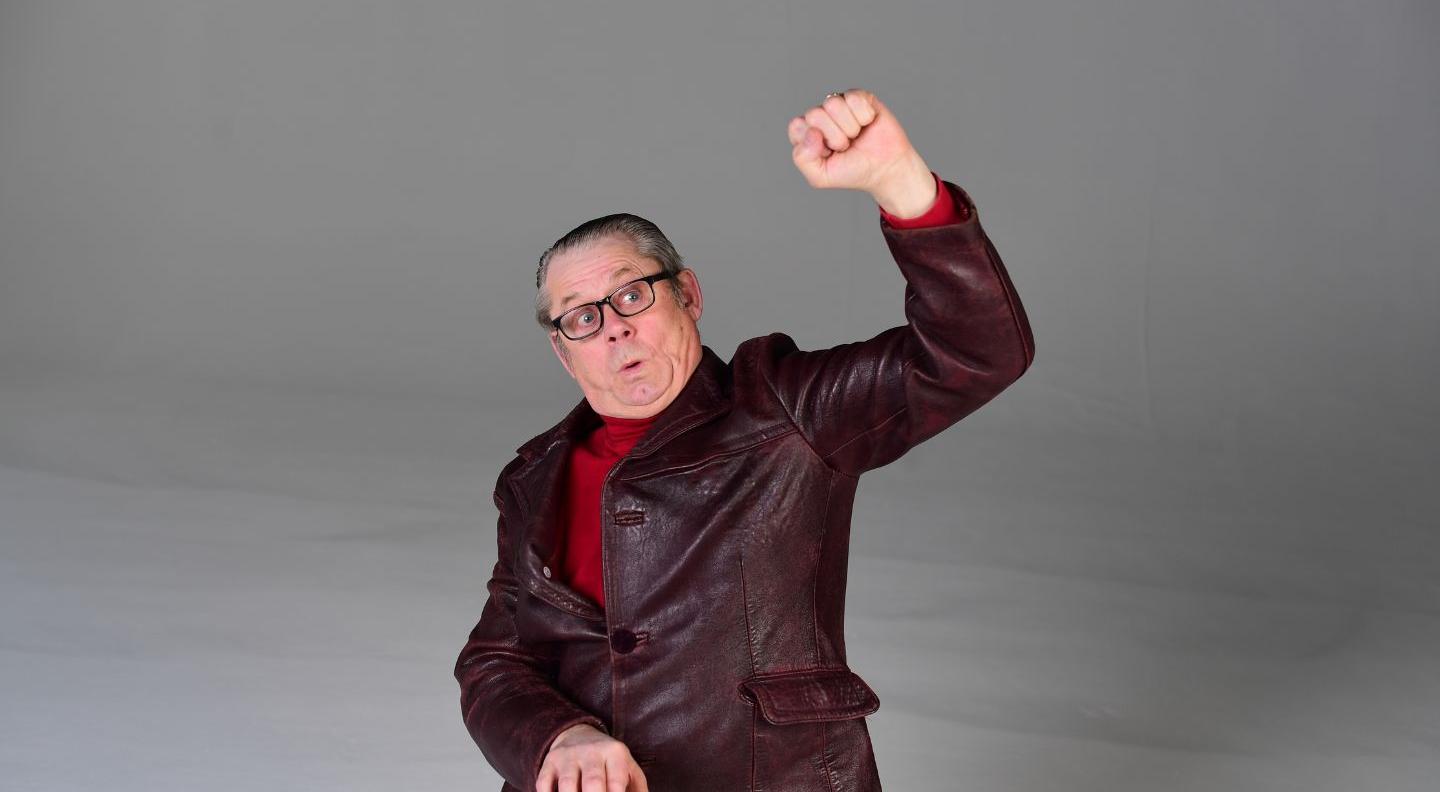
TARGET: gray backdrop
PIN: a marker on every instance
(266, 273)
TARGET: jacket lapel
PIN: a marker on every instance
(540, 481)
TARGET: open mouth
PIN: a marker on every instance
(631, 366)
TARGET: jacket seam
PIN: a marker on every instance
(745, 611)
(825, 755)
(754, 714)
(1027, 351)
(904, 369)
(815, 574)
(750, 648)
(785, 408)
(752, 441)
(864, 433)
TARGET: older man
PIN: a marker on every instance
(666, 609)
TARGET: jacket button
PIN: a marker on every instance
(623, 640)
(546, 570)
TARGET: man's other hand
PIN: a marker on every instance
(585, 759)
(852, 141)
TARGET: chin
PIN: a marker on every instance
(637, 396)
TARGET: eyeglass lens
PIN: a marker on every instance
(628, 300)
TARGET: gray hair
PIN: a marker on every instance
(647, 239)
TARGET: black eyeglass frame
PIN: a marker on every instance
(600, 304)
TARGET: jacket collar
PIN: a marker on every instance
(540, 479)
(704, 395)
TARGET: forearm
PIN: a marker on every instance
(513, 716)
(512, 709)
(508, 697)
(966, 338)
(969, 333)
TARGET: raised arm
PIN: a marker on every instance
(966, 338)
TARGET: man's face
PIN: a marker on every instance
(636, 365)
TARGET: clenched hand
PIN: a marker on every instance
(852, 140)
(585, 759)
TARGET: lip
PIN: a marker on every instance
(631, 367)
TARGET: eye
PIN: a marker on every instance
(580, 318)
(631, 295)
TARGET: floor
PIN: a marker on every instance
(207, 587)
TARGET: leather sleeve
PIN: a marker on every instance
(507, 698)
(862, 405)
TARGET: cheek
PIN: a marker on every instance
(595, 370)
(669, 332)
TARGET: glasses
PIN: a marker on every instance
(583, 321)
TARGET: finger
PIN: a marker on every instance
(834, 138)
(839, 111)
(861, 104)
(617, 777)
(545, 782)
(594, 780)
(815, 142)
(569, 779)
(881, 109)
(638, 776)
(796, 130)
(811, 150)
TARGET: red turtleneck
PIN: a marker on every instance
(592, 458)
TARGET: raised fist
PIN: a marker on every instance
(852, 140)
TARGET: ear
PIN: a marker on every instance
(693, 301)
(561, 352)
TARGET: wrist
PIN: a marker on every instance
(569, 733)
(910, 193)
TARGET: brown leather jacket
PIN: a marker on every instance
(720, 657)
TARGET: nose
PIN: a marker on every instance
(617, 326)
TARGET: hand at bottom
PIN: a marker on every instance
(585, 759)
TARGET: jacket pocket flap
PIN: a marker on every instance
(812, 694)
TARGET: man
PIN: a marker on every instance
(666, 610)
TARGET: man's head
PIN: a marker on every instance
(635, 365)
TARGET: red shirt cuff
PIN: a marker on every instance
(942, 212)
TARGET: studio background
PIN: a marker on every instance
(266, 339)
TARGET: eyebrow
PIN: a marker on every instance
(614, 276)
